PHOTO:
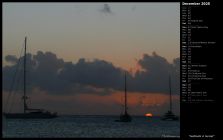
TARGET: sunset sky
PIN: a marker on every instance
(130, 36)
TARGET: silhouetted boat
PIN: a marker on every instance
(29, 113)
(125, 117)
(170, 115)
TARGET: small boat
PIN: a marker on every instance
(169, 116)
(29, 113)
(125, 117)
(32, 114)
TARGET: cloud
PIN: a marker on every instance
(51, 74)
(87, 89)
(106, 9)
(11, 59)
(98, 73)
(155, 74)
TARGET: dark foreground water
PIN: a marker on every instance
(90, 126)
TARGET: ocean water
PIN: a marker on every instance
(90, 127)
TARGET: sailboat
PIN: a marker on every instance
(125, 117)
(170, 115)
(29, 113)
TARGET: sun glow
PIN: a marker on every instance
(148, 114)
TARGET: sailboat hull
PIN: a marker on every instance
(169, 116)
(124, 118)
(30, 116)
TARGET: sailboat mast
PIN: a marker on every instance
(170, 93)
(125, 96)
(24, 97)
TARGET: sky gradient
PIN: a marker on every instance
(76, 30)
(118, 33)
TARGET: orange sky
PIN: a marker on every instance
(85, 104)
(79, 30)
(72, 34)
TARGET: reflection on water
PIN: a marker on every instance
(91, 126)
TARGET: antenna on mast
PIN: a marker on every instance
(125, 95)
(24, 86)
(170, 93)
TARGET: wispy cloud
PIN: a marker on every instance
(106, 9)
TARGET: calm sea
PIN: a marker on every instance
(90, 126)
